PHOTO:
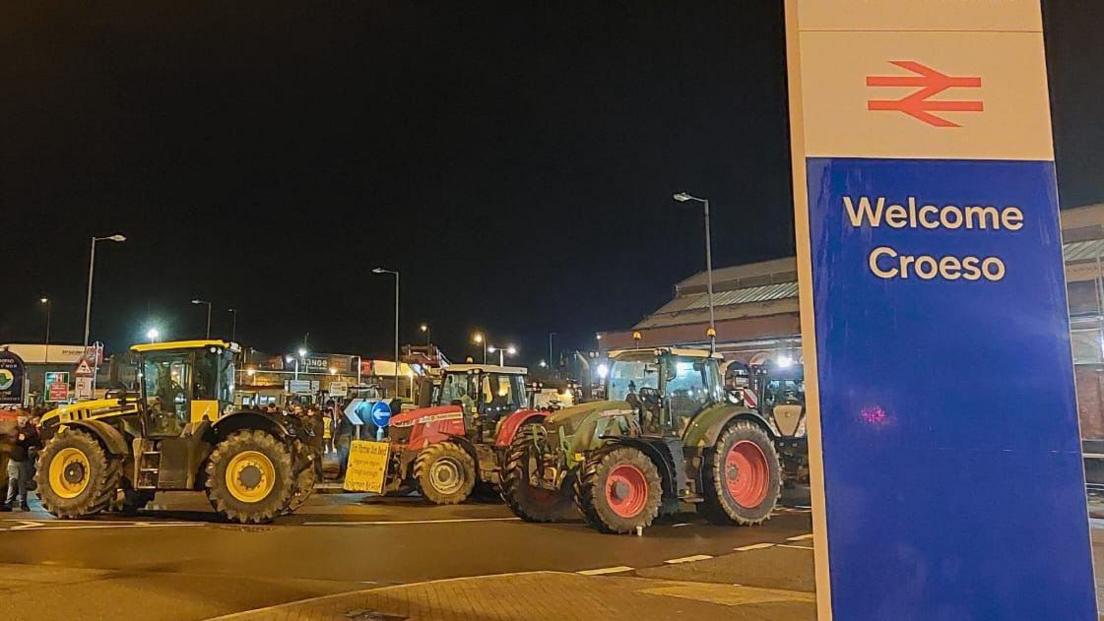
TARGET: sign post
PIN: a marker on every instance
(944, 442)
(11, 378)
(57, 386)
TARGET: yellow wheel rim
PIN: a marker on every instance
(70, 473)
(250, 476)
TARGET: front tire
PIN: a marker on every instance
(619, 490)
(249, 477)
(741, 476)
(445, 472)
(75, 476)
(532, 504)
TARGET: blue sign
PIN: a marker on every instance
(951, 456)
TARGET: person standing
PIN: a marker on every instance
(19, 463)
(7, 440)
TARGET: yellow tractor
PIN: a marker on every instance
(179, 432)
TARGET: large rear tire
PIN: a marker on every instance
(445, 473)
(75, 477)
(741, 476)
(619, 490)
(249, 477)
(532, 504)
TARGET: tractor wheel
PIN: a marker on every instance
(619, 490)
(532, 504)
(75, 477)
(249, 477)
(741, 477)
(445, 473)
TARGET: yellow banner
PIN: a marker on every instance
(367, 471)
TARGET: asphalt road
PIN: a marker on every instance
(173, 563)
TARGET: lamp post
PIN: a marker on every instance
(478, 339)
(296, 361)
(233, 324)
(425, 328)
(683, 197)
(91, 271)
(153, 335)
(501, 353)
(199, 301)
(46, 301)
(380, 270)
(551, 358)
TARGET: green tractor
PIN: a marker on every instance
(180, 432)
(666, 436)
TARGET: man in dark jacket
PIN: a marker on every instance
(19, 462)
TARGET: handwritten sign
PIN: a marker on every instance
(367, 471)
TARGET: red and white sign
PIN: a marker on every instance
(919, 104)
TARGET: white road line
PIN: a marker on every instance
(680, 525)
(800, 537)
(605, 570)
(754, 546)
(783, 545)
(410, 522)
(42, 527)
(688, 559)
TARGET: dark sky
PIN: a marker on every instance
(515, 162)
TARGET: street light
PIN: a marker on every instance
(91, 272)
(153, 335)
(478, 339)
(233, 324)
(289, 358)
(511, 350)
(425, 328)
(302, 351)
(380, 270)
(46, 301)
(199, 301)
(683, 197)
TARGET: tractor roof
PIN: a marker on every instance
(655, 351)
(175, 345)
(486, 368)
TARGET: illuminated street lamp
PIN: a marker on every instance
(683, 197)
(502, 352)
(199, 301)
(425, 328)
(46, 301)
(289, 359)
(91, 272)
(478, 339)
(381, 270)
(153, 335)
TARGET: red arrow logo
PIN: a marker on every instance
(919, 104)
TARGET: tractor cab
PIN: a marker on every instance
(666, 386)
(485, 393)
(185, 382)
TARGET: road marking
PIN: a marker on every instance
(605, 570)
(47, 526)
(754, 546)
(321, 598)
(800, 537)
(411, 522)
(688, 559)
(681, 525)
(783, 545)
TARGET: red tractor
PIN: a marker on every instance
(457, 442)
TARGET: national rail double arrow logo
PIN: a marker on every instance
(919, 104)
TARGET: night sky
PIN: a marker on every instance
(515, 162)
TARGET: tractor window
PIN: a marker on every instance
(457, 387)
(502, 394)
(165, 377)
(687, 387)
(205, 378)
(629, 376)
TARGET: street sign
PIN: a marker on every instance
(339, 389)
(57, 386)
(83, 388)
(299, 386)
(11, 378)
(942, 418)
(367, 471)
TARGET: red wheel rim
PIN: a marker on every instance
(626, 490)
(746, 474)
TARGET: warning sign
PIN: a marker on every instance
(367, 470)
(57, 386)
(84, 369)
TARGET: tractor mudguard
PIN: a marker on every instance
(111, 438)
(282, 427)
(653, 448)
(509, 425)
(706, 427)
